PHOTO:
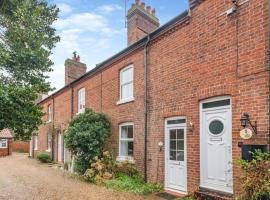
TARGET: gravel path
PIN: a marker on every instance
(22, 178)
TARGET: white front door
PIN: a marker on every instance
(175, 155)
(59, 147)
(216, 145)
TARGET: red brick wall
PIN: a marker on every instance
(193, 61)
(7, 151)
(20, 146)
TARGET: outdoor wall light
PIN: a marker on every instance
(245, 121)
(160, 145)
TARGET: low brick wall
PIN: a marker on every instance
(20, 146)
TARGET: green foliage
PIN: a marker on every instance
(256, 176)
(133, 184)
(105, 167)
(26, 41)
(18, 111)
(27, 38)
(44, 157)
(101, 169)
(187, 198)
(85, 138)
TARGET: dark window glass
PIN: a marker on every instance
(180, 155)
(130, 148)
(172, 134)
(216, 127)
(173, 144)
(180, 134)
(176, 121)
(214, 104)
(172, 155)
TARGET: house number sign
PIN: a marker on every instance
(246, 133)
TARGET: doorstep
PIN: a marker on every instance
(208, 194)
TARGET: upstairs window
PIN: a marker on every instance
(49, 141)
(3, 143)
(81, 100)
(49, 113)
(126, 84)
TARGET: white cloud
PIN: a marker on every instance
(109, 8)
(64, 8)
(87, 21)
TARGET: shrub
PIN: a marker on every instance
(85, 137)
(44, 157)
(133, 184)
(256, 177)
(101, 169)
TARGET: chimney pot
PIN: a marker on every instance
(143, 5)
(154, 11)
(148, 9)
(137, 2)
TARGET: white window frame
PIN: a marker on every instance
(49, 113)
(1, 143)
(81, 100)
(122, 100)
(49, 142)
(36, 143)
(125, 158)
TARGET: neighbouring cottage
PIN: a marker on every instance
(5, 142)
(179, 91)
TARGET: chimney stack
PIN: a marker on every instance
(74, 68)
(141, 20)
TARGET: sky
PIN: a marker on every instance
(96, 30)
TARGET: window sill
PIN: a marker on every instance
(3, 147)
(123, 101)
(125, 158)
(80, 112)
(48, 150)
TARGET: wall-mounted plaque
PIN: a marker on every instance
(246, 133)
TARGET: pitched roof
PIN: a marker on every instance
(178, 19)
(5, 133)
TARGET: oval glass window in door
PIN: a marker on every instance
(216, 127)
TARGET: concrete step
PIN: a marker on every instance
(205, 194)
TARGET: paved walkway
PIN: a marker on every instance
(22, 178)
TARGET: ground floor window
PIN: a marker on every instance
(3, 143)
(126, 147)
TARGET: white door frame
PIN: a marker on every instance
(202, 150)
(168, 127)
(59, 147)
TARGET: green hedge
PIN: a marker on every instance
(44, 157)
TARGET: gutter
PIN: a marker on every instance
(161, 30)
(269, 73)
(146, 104)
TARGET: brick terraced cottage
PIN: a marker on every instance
(6, 143)
(180, 91)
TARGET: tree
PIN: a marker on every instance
(86, 136)
(26, 42)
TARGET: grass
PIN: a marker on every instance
(134, 184)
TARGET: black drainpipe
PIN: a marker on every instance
(145, 105)
(269, 73)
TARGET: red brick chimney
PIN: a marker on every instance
(74, 69)
(141, 20)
